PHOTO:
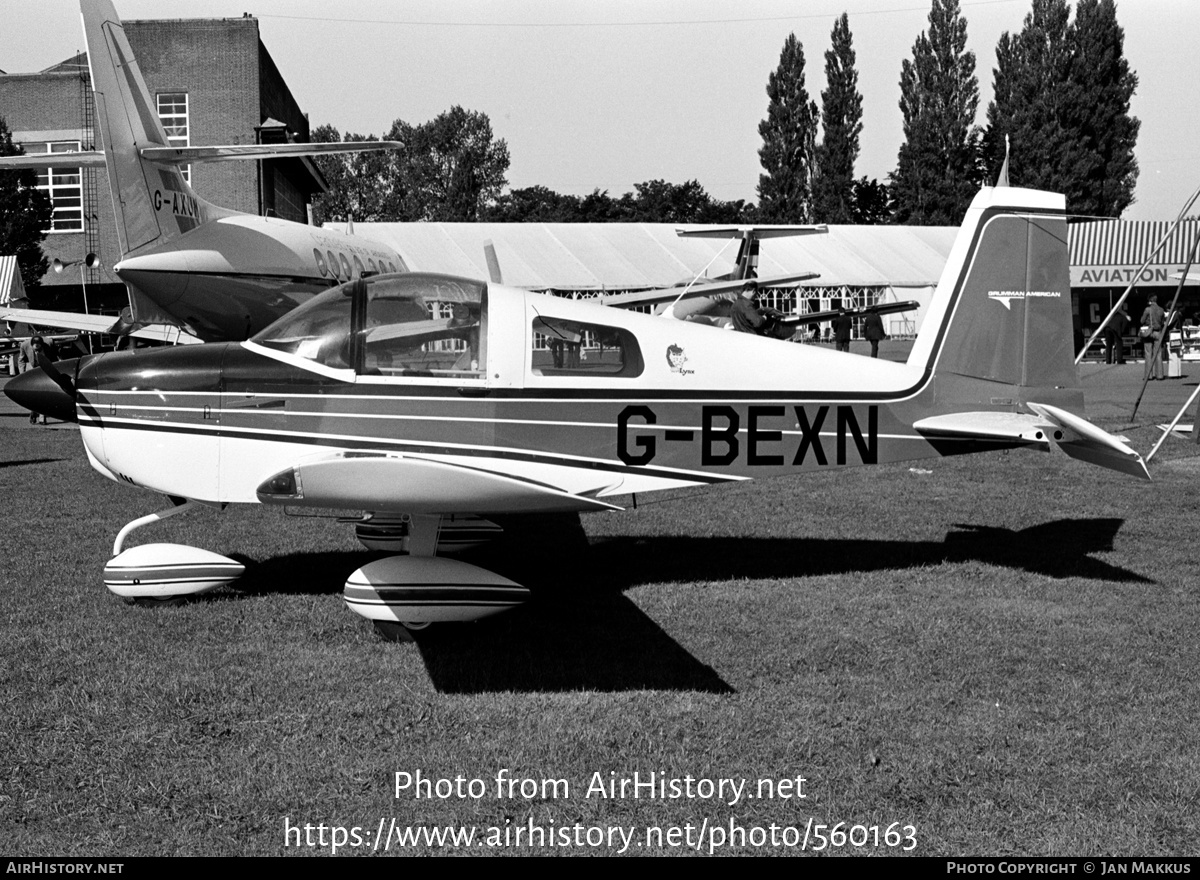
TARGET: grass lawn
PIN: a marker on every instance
(999, 651)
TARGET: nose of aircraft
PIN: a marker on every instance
(38, 391)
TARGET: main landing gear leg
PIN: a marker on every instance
(403, 595)
(422, 541)
(157, 574)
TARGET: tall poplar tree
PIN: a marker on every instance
(937, 172)
(1062, 94)
(1103, 85)
(1032, 91)
(841, 122)
(789, 137)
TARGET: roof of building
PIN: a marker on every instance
(637, 256)
(1126, 243)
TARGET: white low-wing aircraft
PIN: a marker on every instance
(426, 400)
(217, 273)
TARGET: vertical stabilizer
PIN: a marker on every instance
(1003, 306)
(152, 201)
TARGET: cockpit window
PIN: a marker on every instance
(319, 330)
(391, 325)
(425, 325)
(563, 347)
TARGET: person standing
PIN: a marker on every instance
(842, 325)
(1153, 318)
(1114, 337)
(30, 349)
(873, 331)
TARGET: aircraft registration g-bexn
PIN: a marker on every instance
(427, 401)
(216, 273)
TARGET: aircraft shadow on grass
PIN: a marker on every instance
(24, 461)
(582, 631)
(1058, 549)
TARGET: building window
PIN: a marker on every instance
(63, 187)
(173, 114)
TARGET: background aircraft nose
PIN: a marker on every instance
(36, 390)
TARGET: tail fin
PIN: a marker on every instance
(1001, 316)
(998, 334)
(152, 200)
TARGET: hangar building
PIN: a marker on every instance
(215, 83)
(858, 265)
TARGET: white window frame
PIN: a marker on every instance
(62, 184)
(178, 126)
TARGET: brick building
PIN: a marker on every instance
(214, 83)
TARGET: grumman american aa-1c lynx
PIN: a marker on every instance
(429, 402)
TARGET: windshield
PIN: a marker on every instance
(319, 330)
(391, 325)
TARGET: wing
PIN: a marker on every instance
(830, 314)
(95, 324)
(702, 288)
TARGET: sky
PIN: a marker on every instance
(609, 93)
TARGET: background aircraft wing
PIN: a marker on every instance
(702, 288)
(95, 324)
(830, 314)
(65, 320)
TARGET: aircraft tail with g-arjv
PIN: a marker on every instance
(217, 273)
(426, 401)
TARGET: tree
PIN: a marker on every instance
(1102, 85)
(938, 168)
(451, 168)
(1062, 98)
(841, 121)
(654, 201)
(534, 204)
(660, 202)
(362, 186)
(1030, 84)
(25, 214)
(872, 203)
(789, 136)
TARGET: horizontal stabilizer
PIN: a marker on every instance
(86, 159)
(178, 155)
(767, 231)
(1076, 436)
(1000, 426)
(186, 155)
(1091, 444)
